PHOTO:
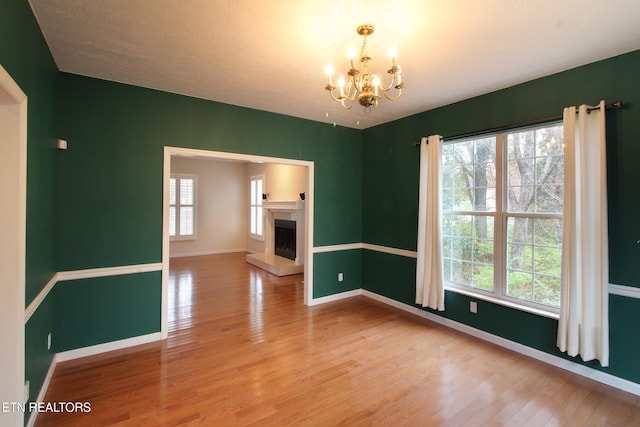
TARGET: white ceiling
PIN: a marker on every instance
(270, 55)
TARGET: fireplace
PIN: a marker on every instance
(284, 243)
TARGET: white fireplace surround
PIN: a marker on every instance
(288, 210)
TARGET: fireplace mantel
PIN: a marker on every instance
(292, 205)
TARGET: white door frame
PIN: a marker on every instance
(220, 155)
(13, 217)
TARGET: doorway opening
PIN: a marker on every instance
(170, 152)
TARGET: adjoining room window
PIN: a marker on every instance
(257, 184)
(502, 198)
(182, 207)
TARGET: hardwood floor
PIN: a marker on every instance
(244, 350)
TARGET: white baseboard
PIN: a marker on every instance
(43, 391)
(109, 346)
(335, 297)
(550, 359)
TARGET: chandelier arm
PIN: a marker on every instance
(333, 96)
(341, 99)
(391, 84)
(351, 89)
(392, 98)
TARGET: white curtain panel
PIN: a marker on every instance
(429, 284)
(583, 327)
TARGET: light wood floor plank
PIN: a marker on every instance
(244, 351)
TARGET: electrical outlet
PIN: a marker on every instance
(340, 277)
(473, 306)
(49, 341)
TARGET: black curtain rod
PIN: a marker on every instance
(613, 105)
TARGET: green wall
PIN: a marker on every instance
(110, 178)
(84, 309)
(25, 56)
(110, 191)
(391, 168)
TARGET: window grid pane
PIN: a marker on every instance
(468, 250)
(535, 170)
(533, 182)
(186, 220)
(172, 221)
(254, 193)
(182, 206)
(534, 253)
(172, 191)
(255, 220)
(186, 191)
(259, 221)
(469, 175)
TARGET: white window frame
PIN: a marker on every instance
(500, 217)
(177, 236)
(256, 224)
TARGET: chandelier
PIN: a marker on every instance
(362, 85)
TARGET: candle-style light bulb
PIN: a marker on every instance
(376, 85)
(341, 86)
(351, 54)
(392, 54)
(329, 70)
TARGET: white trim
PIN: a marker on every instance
(502, 302)
(203, 253)
(166, 240)
(39, 298)
(223, 155)
(43, 390)
(368, 246)
(308, 234)
(108, 271)
(550, 359)
(13, 351)
(335, 297)
(108, 346)
(334, 248)
(625, 291)
(393, 251)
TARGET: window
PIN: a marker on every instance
(502, 198)
(257, 184)
(182, 207)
